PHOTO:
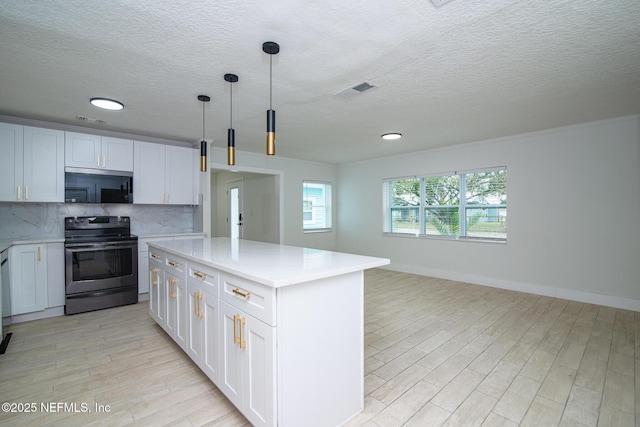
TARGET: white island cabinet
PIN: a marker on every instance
(278, 329)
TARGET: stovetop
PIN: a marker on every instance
(82, 229)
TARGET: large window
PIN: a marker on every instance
(316, 206)
(458, 205)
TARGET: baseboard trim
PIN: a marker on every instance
(37, 315)
(568, 294)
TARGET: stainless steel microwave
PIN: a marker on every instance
(97, 186)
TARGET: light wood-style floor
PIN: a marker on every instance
(437, 352)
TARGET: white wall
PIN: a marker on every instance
(293, 172)
(573, 213)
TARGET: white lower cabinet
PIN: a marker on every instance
(157, 296)
(28, 278)
(175, 289)
(287, 356)
(203, 319)
(248, 364)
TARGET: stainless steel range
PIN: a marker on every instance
(101, 263)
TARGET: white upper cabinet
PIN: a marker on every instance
(117, 154)
(31, 164)
(11, 139)
(98, 152)
(164, 174)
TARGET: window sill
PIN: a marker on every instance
(447, 238)
(319, 230)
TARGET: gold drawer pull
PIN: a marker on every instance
(154, 281)
(200, 275)
(246, 295)
(154, 256)
(173, 263)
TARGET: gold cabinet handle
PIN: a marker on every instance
(26, 192)
(104, 161)
(154, 256)
(172, 287)
(195, 304)
(167, 198)
(154, 279)
(173, 263)
(236, 318)
(200, 275)
(243, 344)
(39, 254)
(200, 312)
(19, 192)
(246, 295)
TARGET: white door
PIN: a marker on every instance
(28, 280)
(234, 214)
(156, 280)
(149, 172)
(82, 150)
(117, 154)
(179, 181)
(11, 161)
(43, 165)
(211, 337)
(258, 381)
(230, 354)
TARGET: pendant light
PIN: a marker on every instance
(203, 143)
(231, 133)
(271, 48)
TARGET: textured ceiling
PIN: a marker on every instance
(465, 71)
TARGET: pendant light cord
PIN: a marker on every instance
(203, 121)
(270, 79)
(231, 105)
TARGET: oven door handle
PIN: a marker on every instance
(78, 247)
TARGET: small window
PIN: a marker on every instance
(316, 206)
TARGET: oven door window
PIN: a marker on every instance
(101, 264)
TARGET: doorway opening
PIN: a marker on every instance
(251, 200)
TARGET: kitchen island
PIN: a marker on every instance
(279, 329)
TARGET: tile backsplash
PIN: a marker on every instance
(22, 220)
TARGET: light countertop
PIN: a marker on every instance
(161, 235)
(8, 242)
(267, 263)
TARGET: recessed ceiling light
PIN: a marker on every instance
(393, 135)
(106, 103)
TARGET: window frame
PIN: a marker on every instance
(462, 207)
(327, 208)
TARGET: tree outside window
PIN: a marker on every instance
(433, 206)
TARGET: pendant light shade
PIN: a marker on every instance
(203, 143)
(231, 133)
(271, 48)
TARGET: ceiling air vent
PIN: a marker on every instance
(355, 90)
(438, 3)
(90, 120)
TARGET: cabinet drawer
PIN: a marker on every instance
(204, 277)
(156, 256)
(251, 297)
(175, 266)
